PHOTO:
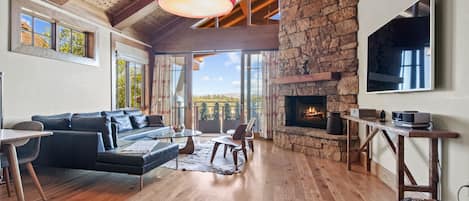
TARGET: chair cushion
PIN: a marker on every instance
(96, 124)
(54, 122)
(133, 112)
(89, 114)
(110, 114)
(123, 122)
(139, 121)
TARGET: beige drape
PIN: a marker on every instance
(161, 94)
(270, 68)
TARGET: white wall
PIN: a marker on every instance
(35, 85)
(449, 103)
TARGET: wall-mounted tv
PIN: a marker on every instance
(401, 52)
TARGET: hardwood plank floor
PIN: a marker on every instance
(272, 174)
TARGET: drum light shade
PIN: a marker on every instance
(197, 8)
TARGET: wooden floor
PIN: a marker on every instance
(272, 174)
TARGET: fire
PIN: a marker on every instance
(312, 112)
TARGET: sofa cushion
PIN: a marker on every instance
(54, 122)
(133, 112)
(123, 122)
(89, 114)
(110, 114)
(96, 124)
(139, 121)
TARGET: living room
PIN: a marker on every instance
(131, 100)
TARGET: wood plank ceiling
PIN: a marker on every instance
(145, 20)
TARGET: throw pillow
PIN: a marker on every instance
(123, 122)
(139, 121)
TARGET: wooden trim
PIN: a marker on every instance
(118, 19)
(325, 76)
(149, 68)
(16, 8)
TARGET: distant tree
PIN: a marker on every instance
(203, 111)
(216, 111)
(227, 111)
(237, 111)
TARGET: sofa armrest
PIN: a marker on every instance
(155, 121)
(75, 149)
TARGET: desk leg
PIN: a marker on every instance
(349, 141)
(434, 177)
(15, 171)
(368, 150)
(400, 167)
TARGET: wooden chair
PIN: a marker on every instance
(236, 143)
(26, 154)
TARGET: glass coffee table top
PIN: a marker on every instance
(170, 133)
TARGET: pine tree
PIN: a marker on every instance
(227, 111)
(203, 111)
(216, 111)
(237, 111)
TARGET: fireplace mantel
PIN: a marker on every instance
(314, 77)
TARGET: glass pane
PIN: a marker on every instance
(178, 90)
(136, 85)
(121, 83)
(78, 43)
(42, 27)
(26, 22)
(65, 36)
(26, 37)
(42, 41)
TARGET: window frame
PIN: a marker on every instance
(72, 29)
(35, 10)
(128, 83)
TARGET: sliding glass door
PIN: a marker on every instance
(130, 84)
(251, 92)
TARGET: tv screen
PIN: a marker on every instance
(400, 52)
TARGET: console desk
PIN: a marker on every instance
(373, 127)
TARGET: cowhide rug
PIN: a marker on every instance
(200, 160)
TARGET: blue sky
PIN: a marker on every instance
(218, 74)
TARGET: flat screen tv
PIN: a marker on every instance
(401, 52)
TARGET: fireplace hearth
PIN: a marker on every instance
(306, 111)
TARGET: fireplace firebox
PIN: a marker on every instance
(306, 111)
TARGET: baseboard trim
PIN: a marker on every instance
(383, 174)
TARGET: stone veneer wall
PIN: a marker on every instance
(324, 33)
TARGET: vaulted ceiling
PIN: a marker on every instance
(145, 20)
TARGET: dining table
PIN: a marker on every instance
(9, 140)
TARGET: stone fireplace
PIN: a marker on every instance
(317, 58)
(306, 111)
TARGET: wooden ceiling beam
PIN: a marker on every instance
(133, 13)
(59, 2)
(244, 7)
(245, 38)
(212, 22)
(254, 10)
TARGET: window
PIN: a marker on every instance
(130, 80)
(36, 31)
(71, 41)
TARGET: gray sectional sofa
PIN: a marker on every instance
(93, 141)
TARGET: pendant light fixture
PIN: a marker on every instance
(197, 8)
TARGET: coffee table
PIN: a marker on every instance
(186, 133)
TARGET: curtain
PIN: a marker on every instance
(270, 68)
(161, 93)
